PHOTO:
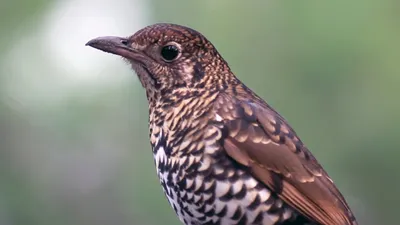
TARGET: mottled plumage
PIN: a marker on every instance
(222, 154)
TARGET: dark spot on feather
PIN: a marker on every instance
(243, 220)
(200, 190)
(191, 188)
(277, 127)
(192, 169)
(182, 184)
(162, 143)
(255, 203)
(260, 186)
(233, 178)
(202, 208)
(210, 212)
(240, 195)
(258, 219)
(185, 209)
(200, 85)
(237, 214)
(200, 200)
(227, 196)
(277, 184)
(290, 135)
(198, 71)
(222, 213)
(211, 200)
(234, 91)
(298, 149)
(269, 201)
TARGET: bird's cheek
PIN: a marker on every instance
(159, 72)
(186, 74)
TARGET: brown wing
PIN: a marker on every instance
(260, 139)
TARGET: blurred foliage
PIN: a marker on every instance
(330, 68)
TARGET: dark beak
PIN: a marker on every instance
(118, 46)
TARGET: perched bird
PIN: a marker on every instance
(222, 154)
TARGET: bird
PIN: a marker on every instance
(222, 154)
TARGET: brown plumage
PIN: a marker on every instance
(222, 154)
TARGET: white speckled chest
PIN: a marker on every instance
(210, 188)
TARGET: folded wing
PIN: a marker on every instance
(260, 139)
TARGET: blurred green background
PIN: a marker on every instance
(73, 121)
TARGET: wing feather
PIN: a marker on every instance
(260, 139)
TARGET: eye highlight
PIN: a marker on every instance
(170, 53)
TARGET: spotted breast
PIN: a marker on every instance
(201, 182)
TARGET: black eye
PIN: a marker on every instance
(169, 52)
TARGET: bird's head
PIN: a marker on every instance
(167, 57)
